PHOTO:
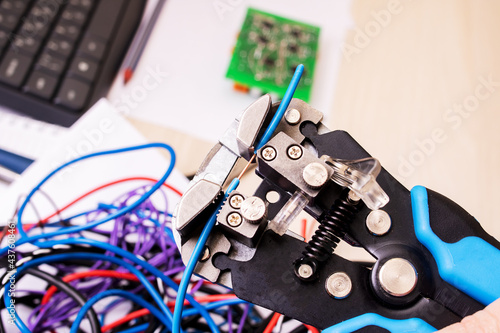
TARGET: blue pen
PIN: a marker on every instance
(14, 162)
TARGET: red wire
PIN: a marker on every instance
(125, 276)
(311, 328)
(126, 319)
(304, 229)
(173, 189)
(272, 323)
(143, 312)
(94, 273)
(208, 298)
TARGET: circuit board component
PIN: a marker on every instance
(268, 50)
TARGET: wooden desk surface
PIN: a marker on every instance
(419, 88)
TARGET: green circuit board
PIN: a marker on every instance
(268, 50)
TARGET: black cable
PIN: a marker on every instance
(153, 325)
(300, 329)
(71, 292)
(263, 324)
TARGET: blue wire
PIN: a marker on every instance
(193, 260)
(282, 107)
(95, 256)
(106, 309)
(112, 216)
(144, 264)
(25, 239)
(200, 244)
(58, 223)
(121, 293)
(136, 329)
(214, 305)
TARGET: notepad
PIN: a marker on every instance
(27, 137)
(101, 128)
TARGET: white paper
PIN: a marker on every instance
(26, 136)
(180, 81)
(101, 128)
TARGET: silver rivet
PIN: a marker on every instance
(268, 153)
(292, 116)
(353, 197)
(206, 254)
(234, 219)
(236, 200)
(315, 175)
(272, 197)
(338, 285)
(378, 222)
(294, 152)
(253, 209)
(398, 277)
(305, 271)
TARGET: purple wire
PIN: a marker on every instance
(196, 286)
(243, 319)
(149, 235)
(46, 308)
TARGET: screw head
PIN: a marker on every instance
(236, 200)
(253, 209)
(398, 277)
(378, 222)
(234, 219)
(305, 271)
(294, 152)
(338, 285)
(268, 153)
(206, 254)
(292, 116)
(315, 175)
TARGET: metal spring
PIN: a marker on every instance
(333, 226)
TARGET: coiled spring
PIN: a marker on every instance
(333, 226)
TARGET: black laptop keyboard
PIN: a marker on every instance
(57, 57)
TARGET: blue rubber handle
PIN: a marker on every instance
(471, 265)
(412, 325)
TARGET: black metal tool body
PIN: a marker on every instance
(263, 266)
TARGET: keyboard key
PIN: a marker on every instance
(84, 5)
(83, 68)
(45, 9)
(41, 84)
(4, 39)
(73, 94)
(28, 45)
(92, 48)
(14, 67)
(74, 15)
(17, 6)
(8, 20)
(59, 47)
(51, 64)
(105, 18)
(67, 30)
(35, 26)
